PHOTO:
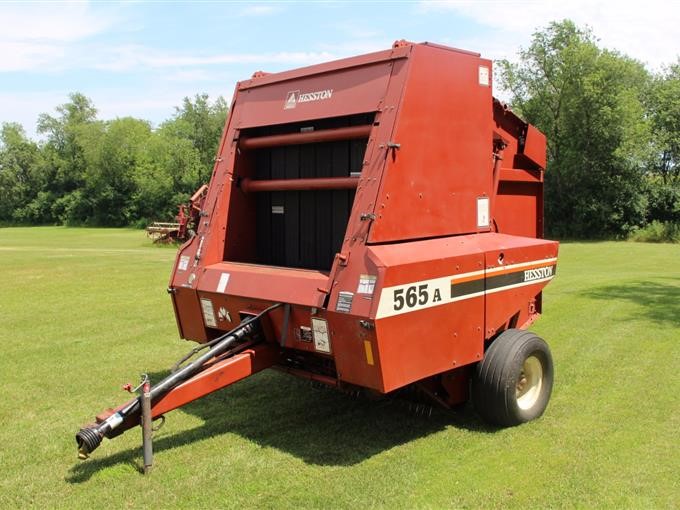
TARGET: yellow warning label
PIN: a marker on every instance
(369, 352)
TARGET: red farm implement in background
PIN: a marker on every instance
(371, 223)
(185, 226)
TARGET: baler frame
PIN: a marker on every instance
(382, 216)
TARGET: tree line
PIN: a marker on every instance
(613, 130)
(107, 173)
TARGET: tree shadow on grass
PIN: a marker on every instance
(319, 426)
(660, 298)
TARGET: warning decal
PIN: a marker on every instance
(208, 313)
(366, 284)
(183, 263)
(320, 334)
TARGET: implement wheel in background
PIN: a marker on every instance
(512, 384)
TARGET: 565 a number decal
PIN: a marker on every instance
(415, 295)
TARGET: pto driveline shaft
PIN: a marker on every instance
(89, 438)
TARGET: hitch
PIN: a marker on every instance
(229, 359)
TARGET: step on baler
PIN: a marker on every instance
(371, 223)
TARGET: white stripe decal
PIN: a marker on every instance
(508, 287)
(520, 265)
(414, 296)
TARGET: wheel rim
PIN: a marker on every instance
(529, 383)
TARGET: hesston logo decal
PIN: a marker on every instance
(538, 273)
(295, 96)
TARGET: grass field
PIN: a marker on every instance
(83, 311)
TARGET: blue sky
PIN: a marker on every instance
(141, 58)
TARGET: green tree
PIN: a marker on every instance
(663, 103)
(112, 151)
(20, 160)
(664, 108)
(588, 102)
(60, 199)
(200, 122)
(166, 174)
(117, 172)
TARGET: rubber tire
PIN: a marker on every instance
(494, 380)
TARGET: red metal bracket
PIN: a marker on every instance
(219, 375)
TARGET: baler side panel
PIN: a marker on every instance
(188, 314)
(514, 286)
(428, 321)
(356, 352)
(431, 341)
(208, 244)
(518, 206)
(443, 164)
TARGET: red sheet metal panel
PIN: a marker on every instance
(426, 324)
(519, 210)
(443, 163)
(355, 351)
(517, 269)
(342, 64)
(188, 314)
(267, 283)
(331, 94)
(535, 146)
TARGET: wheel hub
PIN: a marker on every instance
(529, 383)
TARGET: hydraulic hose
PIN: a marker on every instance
(89, 438)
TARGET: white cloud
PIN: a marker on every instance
(646, 30)
(260, 10)
(131, 57)
(110, 105)
(355, 47)
(189, 75)
(50, 21)
(25, 107)
(27, 56)
(353, 29)
(24, 56)
(40, 36)
(155, 105)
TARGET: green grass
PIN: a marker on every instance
(84, 310)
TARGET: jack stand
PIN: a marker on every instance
(147, 432)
